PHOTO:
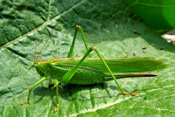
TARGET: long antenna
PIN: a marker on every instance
(54, 30)
(36, 57)
(32, 27)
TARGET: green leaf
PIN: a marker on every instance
(108, 26)
(159, 14)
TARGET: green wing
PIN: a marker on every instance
(124, 65)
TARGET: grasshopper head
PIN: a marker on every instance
(42, 67)
(35, 64)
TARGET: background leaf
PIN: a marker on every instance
(109, 26)
(158, 14)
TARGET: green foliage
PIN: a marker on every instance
(109, 27)
(159, 14)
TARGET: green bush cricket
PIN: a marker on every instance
(85, 71)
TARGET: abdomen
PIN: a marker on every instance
(83, 75)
